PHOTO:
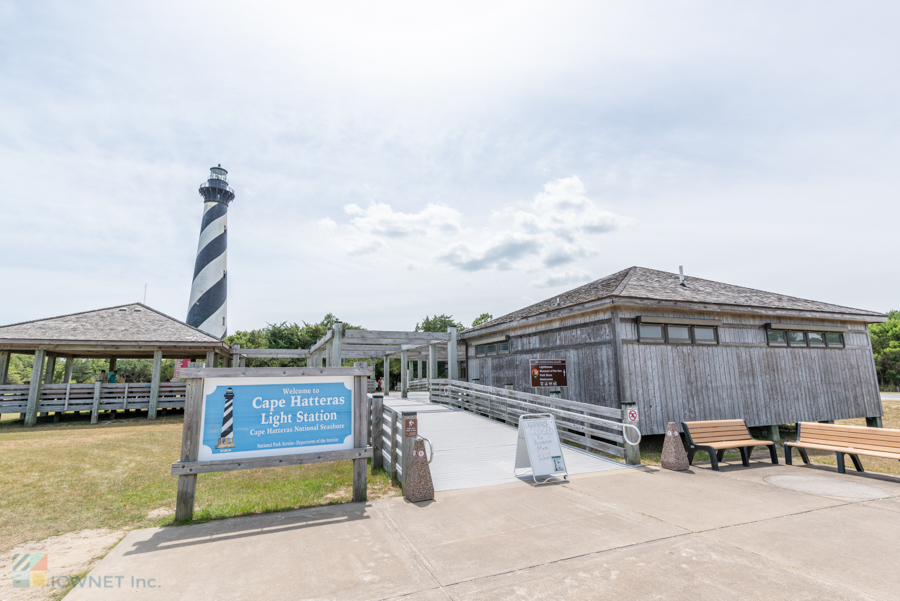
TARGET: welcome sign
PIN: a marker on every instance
(264, 417)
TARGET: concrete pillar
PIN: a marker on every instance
(336, 342)
(70, 365)
(34, 392)
(154, 384)
(4, 366)
(387, 375)
(452, 363)
(404, 375)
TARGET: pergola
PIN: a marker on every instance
(133, 331)
(339, 344)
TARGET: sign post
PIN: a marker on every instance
(243, 418)
(538, 448)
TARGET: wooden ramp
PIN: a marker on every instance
(470, 450)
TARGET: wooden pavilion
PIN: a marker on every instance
(133, 331)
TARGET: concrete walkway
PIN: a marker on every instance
(472, 451)
(763, 532)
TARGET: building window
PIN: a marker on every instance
(777, 338)
(704, 335)
(834, 339)
(796, 338)
(679, 334)
(650, 333)
(482, 350)
(816, 338)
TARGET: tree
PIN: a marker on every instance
(886, 349)
(438, 323)
(284, 335)
(483, 318)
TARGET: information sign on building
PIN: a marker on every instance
(548, 373)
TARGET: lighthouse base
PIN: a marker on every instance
(225, 443)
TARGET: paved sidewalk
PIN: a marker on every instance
(743, 533)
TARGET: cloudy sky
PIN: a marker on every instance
(396, 160)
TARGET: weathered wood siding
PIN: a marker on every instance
(741, 377)
(584, 341)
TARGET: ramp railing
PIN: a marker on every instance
(596, 428)
(82, 397)
(391, 450)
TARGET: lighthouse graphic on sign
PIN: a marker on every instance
(226, 441)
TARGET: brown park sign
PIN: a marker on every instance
(411, 427)
(548, 373)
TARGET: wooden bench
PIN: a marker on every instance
(716, 436)
(844, 440)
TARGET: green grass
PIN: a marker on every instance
(59, 478)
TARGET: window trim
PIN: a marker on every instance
(688, 340)
(654, 339)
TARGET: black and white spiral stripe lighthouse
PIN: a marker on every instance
(209, 292)
(226, 441)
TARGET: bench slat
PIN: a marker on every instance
(851, 445)
(809, 445)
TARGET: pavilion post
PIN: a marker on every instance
(4, 366)
(112, 365)
(432, 364)
(34, 391)
(235, 359)
(70, 364)
(387, 375)
(95, 408)
(336, 343)
(210, 358)
(419, 375)
(404, 374)
(154, 384)
(329, 353)
(452, 363)
(51, 367)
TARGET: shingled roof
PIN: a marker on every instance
(643, 283)
(134, 322)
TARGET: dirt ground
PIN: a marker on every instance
(67, 554)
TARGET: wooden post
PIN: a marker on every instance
(70, 364)
(406, 449)
(387, 376)
(432, 364)
(95, 408)
(632, 451)
(51, 367)
(210, 358)
(419, 373)
(452, 363)
(361, 419)
(404, 375)
(329, 352)
(34, 391)
(112, 365)
(377, 430)
(190, 448)
(154, 384)
(393, 454)
(235, 359)
(336, 343)
(4, 366)
(774, 433)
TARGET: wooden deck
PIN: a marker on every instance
(471, 451)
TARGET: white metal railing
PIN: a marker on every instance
(594, 427)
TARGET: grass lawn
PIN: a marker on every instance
(64, 477)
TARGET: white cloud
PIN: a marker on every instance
(565, 278)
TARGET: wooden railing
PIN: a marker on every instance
(593, 427)
(80, 397)
(391, 450)
(420, 385)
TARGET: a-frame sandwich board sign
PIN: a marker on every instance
(539, 450)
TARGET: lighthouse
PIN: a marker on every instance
(208, 305)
